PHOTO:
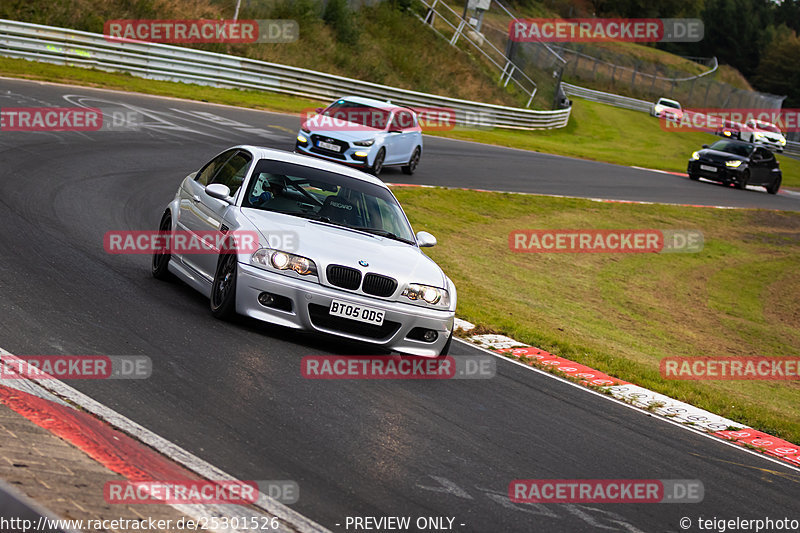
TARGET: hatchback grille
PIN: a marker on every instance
(378, 285)
(344, 277)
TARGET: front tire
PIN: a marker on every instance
(412, 163)
(742, 182)
(223, 290)
(377, 165)
(159, 266)
(694, 177)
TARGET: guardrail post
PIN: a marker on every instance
(508, 78)
(458, 32)
(431, 14)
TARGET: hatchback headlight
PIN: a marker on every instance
(368, 142)
(269, 258)
(733, 164)
(428, 294)
(782, 140)
(757, 135)
(695, 156)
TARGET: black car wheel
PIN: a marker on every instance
(776, 185)
(694, 177)
(161, 257)
(741, 183)
(412, 163)
(223, 290)
(377, 165)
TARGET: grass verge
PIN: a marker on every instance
(622, 313)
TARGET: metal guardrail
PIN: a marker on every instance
(792, 148)
(607, 98)
(174, 63)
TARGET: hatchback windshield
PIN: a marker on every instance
(363, 115)
(670, 103)
(733, 147)
(326, 197)
(766, 126)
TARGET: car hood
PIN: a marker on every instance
(718, 156)
(327, 244)
(342, 130)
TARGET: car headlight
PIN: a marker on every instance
(267, 257)
(301, 138)
(368, 142)
(428, 294)
(782, 141)
(733, 164)
(695, 156)
(305, 129)
(757, 135)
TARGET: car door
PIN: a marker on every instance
(768, 166)
(190, 215)
(759, 169)
(211, 211)
(403, 125)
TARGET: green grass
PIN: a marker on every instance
(595, 131)
(622, 313)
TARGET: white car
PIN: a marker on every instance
(352, 268)
(763, 133)
(669, 109)
(364, 133)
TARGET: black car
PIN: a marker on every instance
(736, 162)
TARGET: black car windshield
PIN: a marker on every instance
(325, 196)
(733, 147)
(363, 115)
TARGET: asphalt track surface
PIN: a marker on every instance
(232, 393)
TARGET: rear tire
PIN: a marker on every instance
(776, 186)
(412, 163)
(159, 266)
(223, 290)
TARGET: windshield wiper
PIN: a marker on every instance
(382, 233)
(302, 214)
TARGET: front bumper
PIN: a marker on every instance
(770, 143)
(722, 174)
(309, 310)
(347, 157)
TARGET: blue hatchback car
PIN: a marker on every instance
(364, 133)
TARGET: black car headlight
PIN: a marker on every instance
(279, 260)
(733, 164)
(368, 142)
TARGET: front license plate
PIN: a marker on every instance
(357, 312)
(329, 146)
(708, 168)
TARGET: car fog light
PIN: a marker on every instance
(430, 335)
(362, 155)
(266, 299)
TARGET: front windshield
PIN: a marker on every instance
(670, 103)
(733, 147)
(327, 197)
(363, 115)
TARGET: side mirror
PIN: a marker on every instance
(219, 191)
(318, 110)
(425, 239)
(705, 146)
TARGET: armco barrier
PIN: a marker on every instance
(607, 98)
(175, 63)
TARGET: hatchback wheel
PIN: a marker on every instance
(775, 187)
(741, 183)
(377, 165)
(412, 163)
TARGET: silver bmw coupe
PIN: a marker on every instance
(335, 252)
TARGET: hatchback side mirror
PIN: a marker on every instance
(705, 146)
(425, 239)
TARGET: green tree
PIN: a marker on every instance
(779, 71)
